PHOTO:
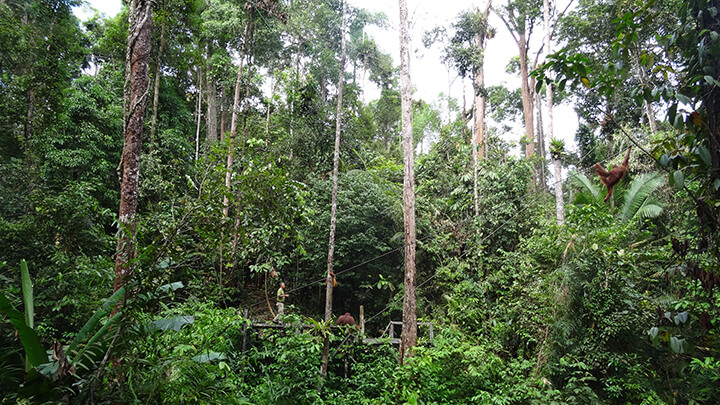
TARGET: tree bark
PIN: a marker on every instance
(212, 122)
(333, 206)
(138, 51)
(409, 329)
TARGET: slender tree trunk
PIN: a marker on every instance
(138, 51)
(548, 86)
(198, 110)
(540, 136)
(234, 118)
(559, 203)
(333, 206)
(527, 98)
(211, 98)
(156, 84)
(222, 113)
(479, 147)
(409, 329)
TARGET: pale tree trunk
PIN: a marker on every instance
(527, 98)
(520, 38)
(156, 84)
(211, 98)
(559, 204)
(234, 118)
(409, 328)
(548, 86)
(137, 73)
(198, 111)
(479, 146)
(333, 206)
(540, 136)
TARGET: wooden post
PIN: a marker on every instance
(362, 320)
(392, 331)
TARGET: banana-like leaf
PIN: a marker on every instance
(638, 195)
(28, 299)
(90, 325)
(76, 359)
(33, 348)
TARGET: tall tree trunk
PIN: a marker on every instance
(548, 86)
(540, 136)
(559, 203)
(479, 147)
(222, 113)
(198, 111)
(333, 206)
(409, 329)
(527, 102)
(156, 84)
(234, 117)
(138, 51)
(211, 98)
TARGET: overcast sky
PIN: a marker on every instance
(429, 76)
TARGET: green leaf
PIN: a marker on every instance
(637, 198)
(683, 99)
(679, 346)
(664, 160)
(33, 348)
(77, 358)
(681, 317)
(210, 356)
(175, 323)
(28, 300)
(678, 179)
(716, 184)
(104, 309)
(704, 154)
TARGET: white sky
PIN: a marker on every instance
(428, 74)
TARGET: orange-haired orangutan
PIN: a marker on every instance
(345, 320)
(614, 176)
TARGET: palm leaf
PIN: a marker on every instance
(651, 210)
(584, 184)
(637, 196)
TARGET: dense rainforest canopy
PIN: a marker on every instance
(163, 170)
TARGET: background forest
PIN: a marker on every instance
(537, 289)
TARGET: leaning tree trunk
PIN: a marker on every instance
(137, 68)
(333, 206)
(409, 329)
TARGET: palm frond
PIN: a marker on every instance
(637, 196)
(651, 210)
(585, 184)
